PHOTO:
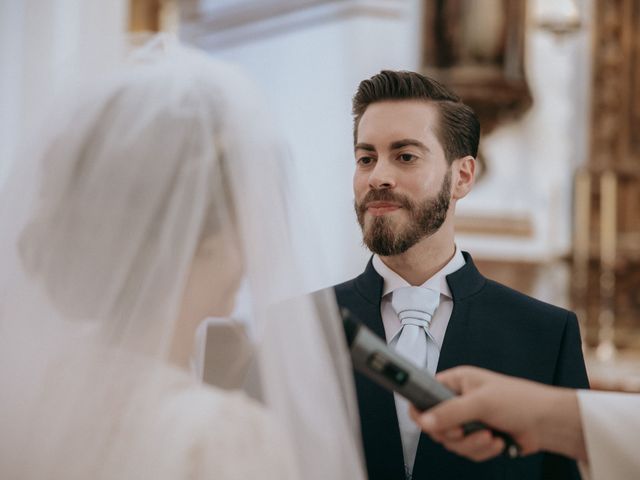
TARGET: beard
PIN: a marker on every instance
(425, 219)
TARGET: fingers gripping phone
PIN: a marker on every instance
(372, 357)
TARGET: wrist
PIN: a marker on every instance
(560, 427)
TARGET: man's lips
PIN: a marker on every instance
(380, 208)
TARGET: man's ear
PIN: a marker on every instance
(464, 174)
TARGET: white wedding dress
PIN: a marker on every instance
(176, 429)
(103, 225)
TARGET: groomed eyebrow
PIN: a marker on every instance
(398, 144)
(365, 146)
(409, 142)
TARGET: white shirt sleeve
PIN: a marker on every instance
(611, 428)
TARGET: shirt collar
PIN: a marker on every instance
(438, 282)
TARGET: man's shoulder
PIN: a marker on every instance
(499, 296)
(364, 289)
(347, 293)
(337, 291)
(508, 298)
(345, 286)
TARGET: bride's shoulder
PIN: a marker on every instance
(205, 403)
(229, 435)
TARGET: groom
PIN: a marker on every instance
(415, 147)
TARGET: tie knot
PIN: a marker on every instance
(415, 305)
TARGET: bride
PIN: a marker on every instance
(154, 197)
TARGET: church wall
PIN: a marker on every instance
(309, 61)
(45, 47)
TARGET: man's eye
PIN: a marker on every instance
(407, 157)
(365, 160)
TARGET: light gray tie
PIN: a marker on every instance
(415, 307)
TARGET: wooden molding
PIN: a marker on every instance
(608, 269)
(616, 73)
(500, 226)
(144, 15)
(212, 24)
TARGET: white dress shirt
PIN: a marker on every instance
(409, 431)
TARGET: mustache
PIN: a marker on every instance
(384, 196)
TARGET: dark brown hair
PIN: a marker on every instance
(459, 129)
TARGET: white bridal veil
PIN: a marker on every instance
(170, 162)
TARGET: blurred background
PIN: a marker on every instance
(556, 83)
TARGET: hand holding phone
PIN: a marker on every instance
(372, 357)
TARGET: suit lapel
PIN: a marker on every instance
(368, 287)
(457, 345)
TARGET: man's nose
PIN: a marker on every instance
(382, 176)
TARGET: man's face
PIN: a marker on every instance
(402, 182)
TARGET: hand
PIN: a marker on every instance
(535, 415)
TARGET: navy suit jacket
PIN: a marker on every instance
(493, 327)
